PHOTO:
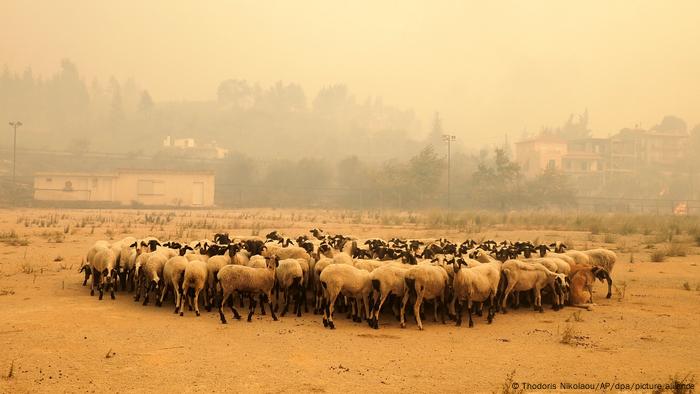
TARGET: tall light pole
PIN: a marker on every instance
(14, 125)
(448, 138)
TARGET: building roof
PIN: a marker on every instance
(115, 173)
(544, 139)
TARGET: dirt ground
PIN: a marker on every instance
(55, 337)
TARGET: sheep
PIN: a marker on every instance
(152, 274)
(256, 261)
(291, 252)
(555, 265)
(522, 276)
(87, 263)
(476, 284)
(386, 280)
(596, 257)
(214, 263)
(194, 278)
(289, 276)
(173, 272)
(346, 280)
(317, 289)
(104, 264)
(602, 258)
(242, 257)
(254, 281)
(427, 282)
(127, 259)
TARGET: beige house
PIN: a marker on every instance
(128, 187)
(539, 153)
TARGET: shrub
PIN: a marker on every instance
(658, 256)
(676, 249)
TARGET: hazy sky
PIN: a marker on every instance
(490, 67)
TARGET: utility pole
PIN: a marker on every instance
(448, 138)
(14, 125)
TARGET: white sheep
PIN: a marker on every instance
(426, 282)
(104, 269)
(242, 279)
(289, 277)
(173, 273)
(349, 281)
(194, 279)
(386, 280)
(476, 284)
(522, 276)
(152, 274)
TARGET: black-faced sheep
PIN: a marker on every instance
(476, 284)
(426, 282)
(349, 281)
(253, 281)
(522, 276)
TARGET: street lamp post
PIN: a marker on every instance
(14, 125)
(448, 138)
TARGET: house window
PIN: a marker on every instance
(94, 182)
(584, 166)
(150, 187)
(49, 179)
(68, 187)
(551, 164)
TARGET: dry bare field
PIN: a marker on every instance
(55, 337)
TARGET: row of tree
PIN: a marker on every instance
(62, 112)
(492, 181)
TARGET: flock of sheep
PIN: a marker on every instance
(362, 277)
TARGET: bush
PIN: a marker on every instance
(658, 256)
(676, 249)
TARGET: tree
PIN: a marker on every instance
(146, 102)
(496, 182)
(671, 124)
(550, 188)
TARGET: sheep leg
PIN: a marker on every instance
(112, 285)
(251, 309)
(492, 308)
(100, 284)
(305, 299)
(137, 286)
(416, 310)
(261, 299)
(506, 293)
(149, 289)
(458, 312)
(178, 299)
(480, 309)
(538, 300)
(286, 302)
(469, 311)
(122, 279)
(268, 297)
(404, 301)
(451, 309)
(196, 300)
(221, 307)
(443, 310)
(329, 301)
(301, 299)
(377, 308)
(435, 310)
(159, 302)
(365, 305)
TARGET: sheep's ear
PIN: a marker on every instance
(135, 244)
(568, 280)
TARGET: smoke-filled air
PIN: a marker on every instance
(349, 196)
